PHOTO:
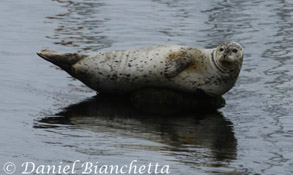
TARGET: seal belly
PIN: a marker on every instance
(129, 70)
(124, 71)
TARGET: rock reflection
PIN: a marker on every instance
(190, 137)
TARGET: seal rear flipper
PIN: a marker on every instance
(63, 60)
(176, 66)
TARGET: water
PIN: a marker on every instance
(47, 117)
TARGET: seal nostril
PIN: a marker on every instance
(234, 50)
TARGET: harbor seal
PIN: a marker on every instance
(188, 69)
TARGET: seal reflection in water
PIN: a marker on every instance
(181, 68)
(187, 133)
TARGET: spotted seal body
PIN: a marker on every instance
(188, 69)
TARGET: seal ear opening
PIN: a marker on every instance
(63, 60)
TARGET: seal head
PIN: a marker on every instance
(228, 57)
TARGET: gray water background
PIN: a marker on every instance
(252, 134)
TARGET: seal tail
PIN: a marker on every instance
(63, 60)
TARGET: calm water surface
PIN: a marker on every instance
(48, 117)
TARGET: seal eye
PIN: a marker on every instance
(221, 49)
(234, 50)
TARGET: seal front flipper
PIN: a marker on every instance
(177, 65)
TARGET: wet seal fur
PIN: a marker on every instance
(182, 68)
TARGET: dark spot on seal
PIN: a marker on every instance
(174, 55)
